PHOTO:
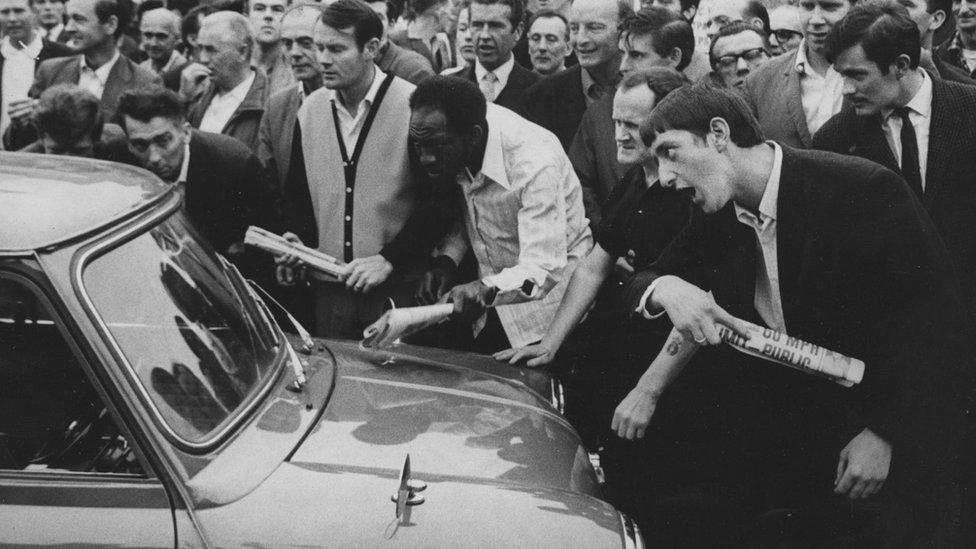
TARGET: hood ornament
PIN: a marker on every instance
(409, 490)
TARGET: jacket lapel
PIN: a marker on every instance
(872, 143)
(254, 100)
(117, 82)
(794, 102)
(790, 230)
(946, 144)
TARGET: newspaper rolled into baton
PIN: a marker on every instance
(277, 245)
(397, 323)
(804, 356)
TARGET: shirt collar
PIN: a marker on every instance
(101, 72)
(767, 205)
(921, 102)
(501, 72)
(956, 45)
(186, 161)
(589, 84)
(800, 63)
(240, 91)
(32, 50)
(371, 93)
(493, 164)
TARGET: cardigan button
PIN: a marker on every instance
(348, 189)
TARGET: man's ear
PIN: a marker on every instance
(112, 23)
(901, 65)
(674, 58)
(690, 13)
(938, 19)
(476, 135)
(519, 29)
(371, 48)
(718, 133)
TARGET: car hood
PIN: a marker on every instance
(501, 466)
(455, 422)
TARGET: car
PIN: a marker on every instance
(150, 396)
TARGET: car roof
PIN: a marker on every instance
(49, 199)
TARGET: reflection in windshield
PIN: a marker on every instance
(192, 334)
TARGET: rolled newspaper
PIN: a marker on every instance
(397, 323)
(277, 245)
(804, 356)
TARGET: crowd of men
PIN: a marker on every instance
(597, 196)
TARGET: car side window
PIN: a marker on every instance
(51, 417)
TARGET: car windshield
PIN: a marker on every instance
(187, 325)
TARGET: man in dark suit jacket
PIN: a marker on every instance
(496, 26)
(828, 249)
(557, 102)
(945, 110)
(225, 192)
(99, 67)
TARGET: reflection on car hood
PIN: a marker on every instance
(455, 422)
(501, 467)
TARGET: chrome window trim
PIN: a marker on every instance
(631, 532)
(124, 235)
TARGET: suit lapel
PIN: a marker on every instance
(794, 102)
(790, 230)
(117, 82)
(872, 143)
(946, 145)
(71, 73)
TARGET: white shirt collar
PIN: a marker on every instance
(186, 161)
(31, 50)
(101, 72)
(52, 33)
(370, 96)
(240, 91)
(767, 205)
(501, 73)
(493, 164)
(921, 102)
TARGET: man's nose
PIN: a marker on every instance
(741, 65)
(816, 17)
(848, 87)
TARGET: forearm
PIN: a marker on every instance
(580, 294)
(668, 364)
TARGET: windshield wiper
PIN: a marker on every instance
(307, 342)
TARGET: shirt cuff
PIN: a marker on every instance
(642, 304)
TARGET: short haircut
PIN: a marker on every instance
(733, 28)
(692, 108)
(121, 9)
(68, 113)
(392, 10)
(460, 100)
(301, 6)
(549, 14)
(237, 25)
(190, 25)
(149, 5)
(688, 4)
(667, 31)
(883, 28)
(148, 102)
(755, 8)
(660, 80)
(414, 8)
(171, 18)
(932, 6)
(357, 15)
(516, 9)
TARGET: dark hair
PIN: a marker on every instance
(121, 9)
(667, 31)
(67, 113)
(190, 25)
(357, 15)
(181, 6)
(148, 102)
(460, 100)
(733, 28)
(688, 4)
(660, 80)
(392, 10)
(516, 9)
(932, 6)
(883, 29)
(692, 108)
(413, 8)
(147, 5)
(755, 8)
(549, 14)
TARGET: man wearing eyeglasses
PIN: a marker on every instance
(785, 30)
(735, 51)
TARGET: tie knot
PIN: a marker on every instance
(490, 77)
(903, 112)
